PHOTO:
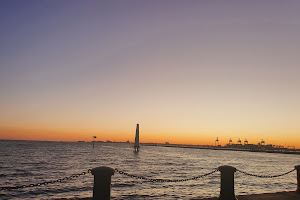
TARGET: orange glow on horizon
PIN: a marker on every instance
(145, 137)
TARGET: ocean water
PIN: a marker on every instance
(31, 162)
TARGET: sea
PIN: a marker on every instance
(32, 162)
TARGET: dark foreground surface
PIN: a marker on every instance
(273, 196)
(267, 196)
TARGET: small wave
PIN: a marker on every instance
(48, 191)
(38, 163)
(139, 196)
(2, 195)
(123, 185)
(20, 170)
(21, 174)
(34, 163)
(22, 144)
(75, 198)
(2, 175)
(134, 196)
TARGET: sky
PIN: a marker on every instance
(186, 71)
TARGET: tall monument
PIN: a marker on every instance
(137, 139)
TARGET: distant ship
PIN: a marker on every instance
(137, 139)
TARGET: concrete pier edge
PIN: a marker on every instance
(265, 196)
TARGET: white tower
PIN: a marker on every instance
(137, 139)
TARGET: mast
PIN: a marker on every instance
(137, 139)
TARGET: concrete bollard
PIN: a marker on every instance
(227, 183)
(102, 182)
(298, 179)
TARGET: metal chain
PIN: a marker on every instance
(164, 180)
(265, 176)
(138, 177)
(47, 182)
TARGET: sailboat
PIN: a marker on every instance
(137, 139)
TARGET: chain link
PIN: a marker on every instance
(265, 176)
(47, 182)
(164, 180)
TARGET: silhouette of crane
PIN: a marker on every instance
(239, 141)
(217, 141)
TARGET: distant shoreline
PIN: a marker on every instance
(224, 148)
(294, 151)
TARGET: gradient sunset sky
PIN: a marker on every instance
(186, 71)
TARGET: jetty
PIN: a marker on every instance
(250, 148)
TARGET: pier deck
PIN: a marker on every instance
(267, 196)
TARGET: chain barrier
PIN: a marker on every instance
(47, 182)
(265, 176)
(196, 177)
(164, 180)
(138, 177)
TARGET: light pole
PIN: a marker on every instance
(94, 137)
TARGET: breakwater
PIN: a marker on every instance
(281, 151)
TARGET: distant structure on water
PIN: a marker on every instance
(137, 139)
(217, 141)
(94, 137)
(261, 146)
